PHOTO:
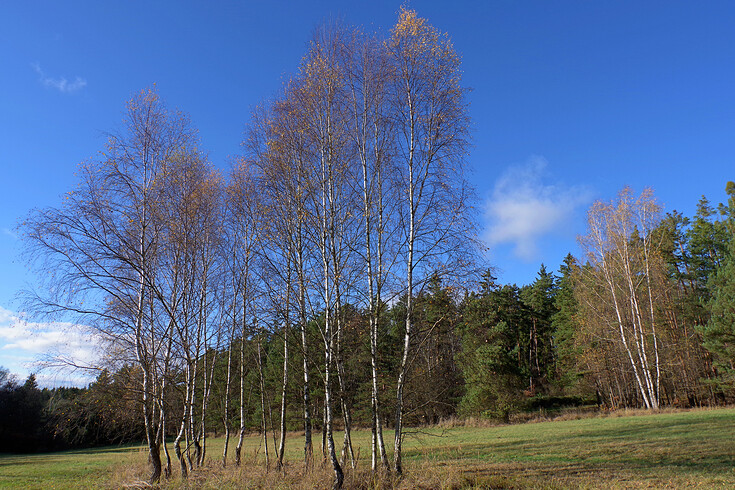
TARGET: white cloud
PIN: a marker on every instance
(26, 347)
(523, 209)
(61, 84)
(10, 233)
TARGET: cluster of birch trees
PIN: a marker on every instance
(646, 307)
(622, 267)
(351, 193)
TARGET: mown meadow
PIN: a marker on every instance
(676, 449)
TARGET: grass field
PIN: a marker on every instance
(691, 449)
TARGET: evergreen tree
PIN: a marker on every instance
(21, 416)
(719, 332)
(564, 326)
(491, 356)
(707, 240)
(538, 298)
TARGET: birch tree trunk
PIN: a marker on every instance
(284, 380)
(263, 419)
(228, 379)
(226, 400)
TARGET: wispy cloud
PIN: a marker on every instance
(522, 209)
(10, 233)
(61, 83)
(26, 346)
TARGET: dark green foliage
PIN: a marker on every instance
(104, 413)
(719, 332)
(509, 353)
(539, 300)
(564, 324)
(21, 416)
(491, 350)
(707, 245)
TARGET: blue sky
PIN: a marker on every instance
(570, 102)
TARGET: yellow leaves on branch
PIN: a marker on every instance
(417, 42)
(409, 23)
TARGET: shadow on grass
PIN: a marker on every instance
(679, 447)
(29, 458)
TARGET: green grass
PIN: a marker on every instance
(664, 450)
(680, 450)
(86, 468)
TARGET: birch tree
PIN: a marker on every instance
(319, 98)
(99, 249)
(291, 196)
(276, 252)
(243, 229)
(189, 194)
(368, 74)
(431, 124)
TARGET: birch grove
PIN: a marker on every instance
(350, 195)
